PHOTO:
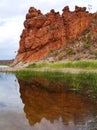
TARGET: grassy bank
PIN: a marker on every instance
(85, 82)
(92, 64)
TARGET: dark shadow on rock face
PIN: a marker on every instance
(40, 103)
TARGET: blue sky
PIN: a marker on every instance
(12, 16)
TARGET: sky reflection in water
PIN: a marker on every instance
(26, 106)
(9, 92)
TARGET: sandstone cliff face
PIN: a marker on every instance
(43, 33)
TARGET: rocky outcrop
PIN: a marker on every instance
(44, 33)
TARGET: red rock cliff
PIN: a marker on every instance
(43, 33)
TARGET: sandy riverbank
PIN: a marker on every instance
(64, 70)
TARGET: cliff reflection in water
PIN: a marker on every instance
(41, 102)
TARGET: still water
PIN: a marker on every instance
(4, 66)
(27, 106)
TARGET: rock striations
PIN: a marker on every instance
(44, 33)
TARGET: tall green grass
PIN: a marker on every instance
(38, 65)
(37, 74)
(92, 64)
(76, 64)
(81, 82)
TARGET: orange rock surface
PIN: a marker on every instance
(44, 33)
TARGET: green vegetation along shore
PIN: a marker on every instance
(77, 76)
(85, 83)
(63, 66)
(84, 64)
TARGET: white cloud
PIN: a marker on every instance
(11, 27)
(46, 5)
(10, 8)
(10, 31)
(12, 15)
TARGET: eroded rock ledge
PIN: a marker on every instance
(46, 32)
